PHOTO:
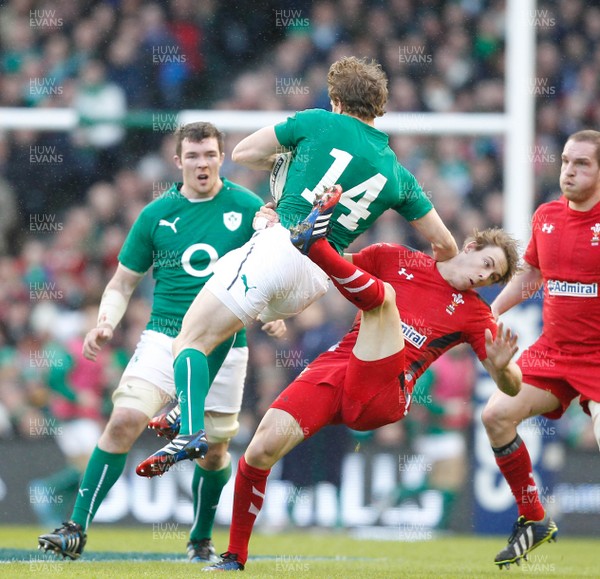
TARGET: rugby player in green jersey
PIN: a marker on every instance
(180, 236)
(268, 278)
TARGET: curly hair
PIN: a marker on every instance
(496, 236)
(360, 86)
(196, 132)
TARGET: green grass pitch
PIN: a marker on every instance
(144, 552)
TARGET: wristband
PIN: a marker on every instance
(112, 308)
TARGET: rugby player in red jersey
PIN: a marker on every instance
(563, 256)
(421, 309)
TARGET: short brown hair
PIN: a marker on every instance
(360, 86)
(499, 238)
(588, 136)
(196, 132)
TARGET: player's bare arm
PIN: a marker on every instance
(114, 302)
(433, 229)
(499, 363)
(521, 287)
(258, 150)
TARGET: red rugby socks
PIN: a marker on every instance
(357, 286)
(514, 463)
(250, 487)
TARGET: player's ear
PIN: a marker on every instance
(471, 246)
(177, 162)
(336, 106)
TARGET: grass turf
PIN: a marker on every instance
(160, 552)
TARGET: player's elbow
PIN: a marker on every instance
(239, 154)
(510, 383)
(511, 389)
(445, 247)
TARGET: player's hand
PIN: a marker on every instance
(95, 339)
(265, 217)
(275, 329)
(501, 350)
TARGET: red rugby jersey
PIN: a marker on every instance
(435, 316)
(565, 247)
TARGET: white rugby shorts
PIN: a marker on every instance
(152, 361)
(267, 278)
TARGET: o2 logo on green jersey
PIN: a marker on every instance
(358, 209)
(186, 259)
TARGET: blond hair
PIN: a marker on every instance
(588, 136)
(497, 237)
(360, 86)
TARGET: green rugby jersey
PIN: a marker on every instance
(182, 239)
(329, 148)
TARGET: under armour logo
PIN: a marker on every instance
(547, 228)
(403, 271)
(169, 224)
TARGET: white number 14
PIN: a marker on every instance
(358, 209)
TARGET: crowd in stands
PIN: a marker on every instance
(67, 200)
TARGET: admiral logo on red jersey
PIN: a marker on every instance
(411, 335)
(574, 289)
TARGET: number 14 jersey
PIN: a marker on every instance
(329, 148)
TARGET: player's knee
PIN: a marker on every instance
(497, 418)
(489, 416)
(123, 429)
(198, 341)
(387, 305)
(262, 453)
(179, 344)
(216, 457)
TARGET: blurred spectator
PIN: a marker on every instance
(125, 68)
(86, 43)
(18, 45)
(8, 204)
(104, 104)
(32, 195)
(165, 57)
